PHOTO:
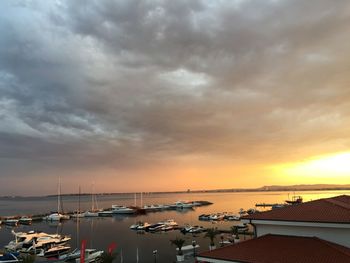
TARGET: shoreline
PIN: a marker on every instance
(296, 188)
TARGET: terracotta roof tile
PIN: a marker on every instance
(278, 248)
(328, 210)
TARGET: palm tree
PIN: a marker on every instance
(234, 231)
(178, 242)
(211, 234)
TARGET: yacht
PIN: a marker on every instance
(30, 241)
(105, 213)
(120, 209)
(53, 251)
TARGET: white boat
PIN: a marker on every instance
(54, 217)
(163, 226)
(22, 238)
(53, 251)
(91, 213)
(46, 241)
(91, 255)
(120, 209)
(183, 204)
(11, 222)
(70, 256)
(57, 216)
(9, 258)
(140, 226)
(30, 241)
(25, 220)
(188, 247)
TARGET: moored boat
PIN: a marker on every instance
(11, 222)
(24, 220)
(120, 209)
(53, 251)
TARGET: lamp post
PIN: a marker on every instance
(155, 255)
(194, 247)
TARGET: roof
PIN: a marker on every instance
(327, 210)
(278, 248)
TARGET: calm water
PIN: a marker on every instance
(99, 232)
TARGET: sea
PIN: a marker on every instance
(132, 246)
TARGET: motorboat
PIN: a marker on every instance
(44, 242)
(11, 222)
(120, 209)
(70, 256)
(156, 227)
(23, 238)
(9, 257)
(217, 216)
(91, 255)
(183, 204)
(53, 251)
(24, 220)
(204, 217)
(140, 226)
(231, 217)
(193, 229)
(166, 225)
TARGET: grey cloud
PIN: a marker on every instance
(82, 83)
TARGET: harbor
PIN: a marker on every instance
(100, 232)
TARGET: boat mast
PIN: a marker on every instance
(92, 199)
(59, 195)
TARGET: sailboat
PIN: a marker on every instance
(78, 214)
(57, 216)
(94, 206)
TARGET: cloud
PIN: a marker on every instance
(130, 84)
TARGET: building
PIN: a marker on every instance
(328, 219)
(275, 248)
(315, 231)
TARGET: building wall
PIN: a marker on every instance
(337, 235)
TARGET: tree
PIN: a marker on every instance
(211, 234)
(178, 242)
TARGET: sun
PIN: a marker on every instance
(334, 168)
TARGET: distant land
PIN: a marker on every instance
(267, 188)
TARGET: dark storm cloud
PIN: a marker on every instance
(124, 83)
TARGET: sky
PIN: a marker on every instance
(173, 95)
